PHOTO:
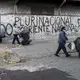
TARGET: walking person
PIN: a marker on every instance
(15, 34)
(62, 41)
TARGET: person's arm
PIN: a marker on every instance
(63, 37)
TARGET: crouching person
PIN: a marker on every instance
(25, 34)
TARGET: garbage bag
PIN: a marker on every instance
(71, 45)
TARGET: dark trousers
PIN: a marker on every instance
(15, 38)
(62, 46)
(0, 40)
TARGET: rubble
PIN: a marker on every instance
(8, 57)
(17, 46)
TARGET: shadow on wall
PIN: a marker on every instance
(49, 74)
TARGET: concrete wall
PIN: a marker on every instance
(42, 26)
(6, 7)
(52, 21)
(70, 10)
(66, 9)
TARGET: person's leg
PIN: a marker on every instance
(65, 51)
(14, 38)
(58, 50)
(0, 40)
(17, 39)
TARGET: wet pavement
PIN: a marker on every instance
(41, 64)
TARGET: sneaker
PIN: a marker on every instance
(68, 55)
(57, 55)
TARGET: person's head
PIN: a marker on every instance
(63, 28)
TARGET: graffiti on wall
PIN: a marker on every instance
(40, 24)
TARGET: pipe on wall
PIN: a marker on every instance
(15, 6)
(59, 9)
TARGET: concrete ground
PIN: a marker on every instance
(39, 61)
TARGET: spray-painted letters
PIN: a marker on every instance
(40, 24)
